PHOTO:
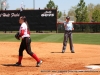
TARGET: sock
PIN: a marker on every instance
(35, 57)
(20, 59)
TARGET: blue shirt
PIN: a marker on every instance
(68, 26)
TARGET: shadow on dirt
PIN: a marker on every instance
(15, 65)
(95, 64)
(60, 52)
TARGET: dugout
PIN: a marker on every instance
(38, 20)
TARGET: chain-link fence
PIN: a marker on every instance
(81, 27)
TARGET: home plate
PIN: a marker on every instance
(93, 67)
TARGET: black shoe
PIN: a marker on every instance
(17, 64)
(39, 63)
(72, 51)
(63, 51)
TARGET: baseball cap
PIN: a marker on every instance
(67, 17)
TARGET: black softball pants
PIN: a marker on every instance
(25, 45)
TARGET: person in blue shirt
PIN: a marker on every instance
(68, 34)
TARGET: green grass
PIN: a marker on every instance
(79, 38)
(47, 37)
(86, 38)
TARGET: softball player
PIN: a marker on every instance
(68, 34)
(24, 33)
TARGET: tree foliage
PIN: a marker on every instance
(89, 13)
(3, 5)
(96, 15)
(71, 11)
(97, 7)
(81, 12)
(90, 9)
(59, 14)
(51, 5)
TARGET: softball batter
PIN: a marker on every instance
(24, 33)
(68, 34)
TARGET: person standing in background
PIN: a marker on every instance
(68, 34)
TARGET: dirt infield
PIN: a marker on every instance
(54, 62)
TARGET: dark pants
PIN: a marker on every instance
(68, 34)
(25, 44)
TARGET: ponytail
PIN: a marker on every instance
(27, 25)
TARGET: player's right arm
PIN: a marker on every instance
(22, 30)
(64, 25)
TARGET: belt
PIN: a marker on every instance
(25, 37)
(68, 30)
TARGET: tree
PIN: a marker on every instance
(51, 5)
(96, 15)
(81, 12)
(71, 12)
(96, 18)
(59, 14)
(4, 5)
(90, 9)
(97, 6)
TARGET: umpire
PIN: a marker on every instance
(68, 34)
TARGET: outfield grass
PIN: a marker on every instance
(80, 38)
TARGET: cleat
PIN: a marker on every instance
(72, 51)
(39, 63)
(63, 51)
(17, 64)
